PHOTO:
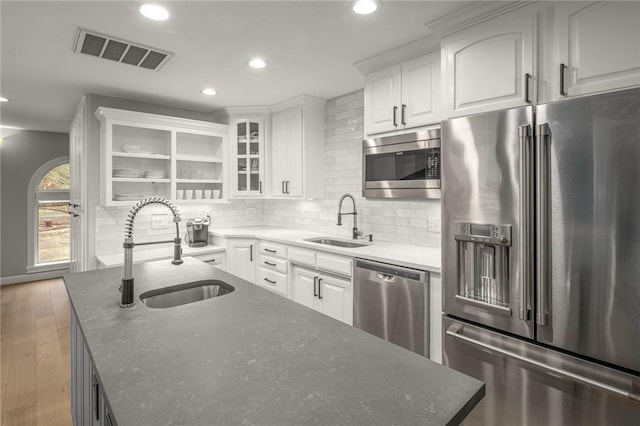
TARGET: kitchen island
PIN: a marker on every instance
(250, 357)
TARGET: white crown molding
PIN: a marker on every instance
(472, 15)
(300, 100)
(104, 113)
(399, 54)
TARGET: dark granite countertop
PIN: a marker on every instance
(251, 357)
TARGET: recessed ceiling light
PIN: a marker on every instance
(209, 91)
(3, 99)
(155, 12)
(365, 7)
(257, 63)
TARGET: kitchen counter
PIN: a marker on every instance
(251, 357)
(419, 257)
(163, 252)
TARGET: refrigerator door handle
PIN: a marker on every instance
(524, 133)
(455, 331)
(542, 223)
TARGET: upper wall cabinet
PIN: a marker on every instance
(297, 148)
(598, 46)
(154, 155)
(490, 66)
(248, 162)
(403, 96)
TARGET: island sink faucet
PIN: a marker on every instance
(356, 233)
(126, 289)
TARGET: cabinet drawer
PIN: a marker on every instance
(274, 281)
(268, 262)
(273, 249)
(210, 258)
(338, 265)
(302, 257)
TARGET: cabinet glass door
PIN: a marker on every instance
(249, 157)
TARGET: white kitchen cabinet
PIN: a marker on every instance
(242, 258)
(297, 144)
(490, 65)
(153, 155)
(325, 293)
(598, 46)
(273, 267)
(403, 96)
(248, 163)
(216, 259)
(88, 406)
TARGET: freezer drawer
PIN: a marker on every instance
(530, 385)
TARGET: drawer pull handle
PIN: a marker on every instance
(270, 250)
(270, 281)
(269, 263)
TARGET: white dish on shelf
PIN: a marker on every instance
(154, 174)
(131, 148)
(126, 173)
(127, 197)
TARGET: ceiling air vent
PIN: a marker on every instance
(119, 50)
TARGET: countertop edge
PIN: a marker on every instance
(264, 234)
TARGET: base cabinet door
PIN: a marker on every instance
(241, 261)
(305, 287)
(324, 293)
(598, 45)
(335, 298)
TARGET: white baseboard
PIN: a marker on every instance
(32, 277)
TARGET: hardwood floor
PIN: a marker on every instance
(35, 354)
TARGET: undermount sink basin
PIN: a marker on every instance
(335, 242)
(183, 294)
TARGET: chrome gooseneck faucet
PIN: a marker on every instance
(126, 289)
(356, 233)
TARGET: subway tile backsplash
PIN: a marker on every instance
(388, 220)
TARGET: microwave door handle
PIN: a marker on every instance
(524, 134)
(543, 139)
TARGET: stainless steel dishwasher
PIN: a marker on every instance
(392, 302)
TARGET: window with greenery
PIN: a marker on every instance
(53, 219)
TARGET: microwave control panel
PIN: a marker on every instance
(433, 163)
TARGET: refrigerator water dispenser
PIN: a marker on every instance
(483, 264)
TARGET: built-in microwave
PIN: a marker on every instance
(402, 166)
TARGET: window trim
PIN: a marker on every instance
(32, 217)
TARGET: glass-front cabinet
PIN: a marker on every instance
(153, 155)
(248, 164)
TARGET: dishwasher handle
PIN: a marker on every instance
(389, 273)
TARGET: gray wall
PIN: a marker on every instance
(21, 155)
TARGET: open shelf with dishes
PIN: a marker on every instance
(153, 155)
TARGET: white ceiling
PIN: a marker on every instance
(310, 46)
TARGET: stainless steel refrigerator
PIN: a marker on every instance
(541, 260)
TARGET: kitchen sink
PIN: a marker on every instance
(183, 294)
(335, 242)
